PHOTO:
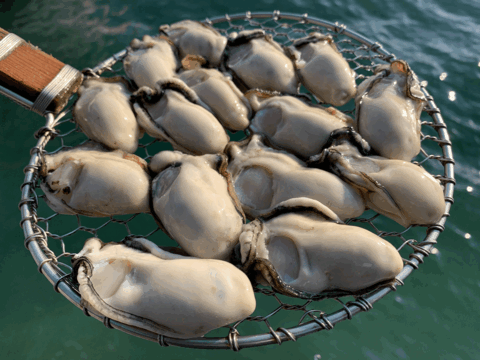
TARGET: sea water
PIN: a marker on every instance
(434, 316)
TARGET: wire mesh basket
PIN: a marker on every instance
(46, 233)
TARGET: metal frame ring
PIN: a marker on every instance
(233, 340)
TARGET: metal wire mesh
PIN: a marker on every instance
(292, 318)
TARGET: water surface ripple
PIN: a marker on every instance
(435, 316)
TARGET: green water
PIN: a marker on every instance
(434, 316)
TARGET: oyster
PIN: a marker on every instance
(291, 124)
(88, 180)
(397, 189)
(104, 113)
(174, 113)
(388, 108)
(194, 201)
(152, 59)
(258, 62)
(139, 284)
(227, 102)
(302, 249)
(196, 38)
(323, 70)
(264, 177)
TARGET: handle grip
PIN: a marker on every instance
(33, 78)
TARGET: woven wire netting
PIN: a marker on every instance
(48, 234)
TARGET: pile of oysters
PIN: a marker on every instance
(267, 210)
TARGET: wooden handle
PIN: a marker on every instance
(33, 78)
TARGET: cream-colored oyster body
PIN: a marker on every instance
(306, 251)
(227, 102)
(168, 294)
(189, 127)
(398, 189)
(388, 109)
(290, 124)
(192, 198)
(104, 113)
(260, 63)
(90, 181)
(195, 38)
(152, 59)
(323, 70)
(264, 177)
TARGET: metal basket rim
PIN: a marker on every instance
(234, 341)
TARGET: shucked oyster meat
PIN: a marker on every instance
(264, 177)
(153, 59)
(104, 113)
(173, 112)
(297, 242)
(260, 63)
(196, 38)
(139, 284)
(291, 124)
(388, 109)
(398, 189)
(88, 180)
(193, 198)
(216, 90)
(303, 249)
(323, 70)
